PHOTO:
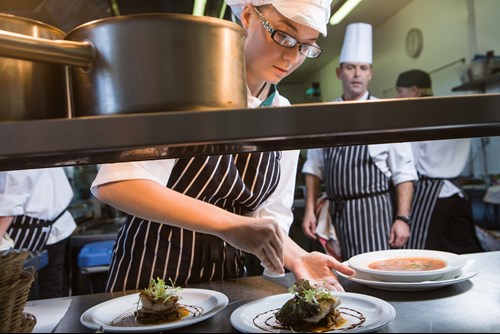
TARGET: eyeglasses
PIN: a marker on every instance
(287, 41)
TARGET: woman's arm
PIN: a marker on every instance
(152, 201)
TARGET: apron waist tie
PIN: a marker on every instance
(425, 178)
(360, 196)
(339, 202)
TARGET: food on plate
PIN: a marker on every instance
(310, 309)
(408, 264)
(159, 303)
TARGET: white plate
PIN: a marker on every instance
(202, 303)
(258, 316)
(361, 262)
(468, 271)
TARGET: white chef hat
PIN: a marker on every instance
(357, 47)
(311, 13)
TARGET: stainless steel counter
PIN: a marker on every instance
(90, 140)
(469, 306)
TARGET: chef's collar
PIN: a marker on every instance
(365, 96)
(266, 92)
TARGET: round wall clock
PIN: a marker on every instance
(414, 42)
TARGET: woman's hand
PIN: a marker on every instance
(318, 269)
(261, 237)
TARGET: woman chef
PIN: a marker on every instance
(194, 219)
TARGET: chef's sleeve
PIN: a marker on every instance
(279, 205)
(154, 170)
(314, 163)
(401, 163)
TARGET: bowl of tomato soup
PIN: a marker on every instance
(407, 265)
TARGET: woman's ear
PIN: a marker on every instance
(246, 15)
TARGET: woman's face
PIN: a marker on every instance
(267, 61)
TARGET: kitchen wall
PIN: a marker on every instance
(452, 30)
(449, 35)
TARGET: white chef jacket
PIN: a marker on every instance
(39, 193)
(395, 160)
(277, 207)
(444, 159)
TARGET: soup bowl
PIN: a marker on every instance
(407, 265)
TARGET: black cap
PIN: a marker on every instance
(417, 78)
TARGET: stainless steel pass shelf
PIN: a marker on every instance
(479, 84)
(118, 138)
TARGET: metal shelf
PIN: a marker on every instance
(479, 84)
(91, 140)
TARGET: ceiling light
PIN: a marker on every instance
(343, 11)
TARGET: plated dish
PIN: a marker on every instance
(407, 265)
(468, 271)
(117, 315)
(362, 313)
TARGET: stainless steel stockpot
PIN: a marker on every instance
(31, 90)
(145, 63)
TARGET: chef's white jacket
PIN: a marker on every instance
(278, 206)
(39, 193)
(443, 159)
(395, 160)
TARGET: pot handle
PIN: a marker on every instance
(19, 46)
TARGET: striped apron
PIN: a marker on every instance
(31, 233)
(361, 206)
(143, 249)
(424, 200)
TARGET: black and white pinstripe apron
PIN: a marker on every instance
(237, 183)
(424, 200)
(31, 233)
(360, 206)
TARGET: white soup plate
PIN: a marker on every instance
(361, 264)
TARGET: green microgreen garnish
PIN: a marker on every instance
(160, 290)
(303, 290)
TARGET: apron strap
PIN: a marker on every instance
(59, 215)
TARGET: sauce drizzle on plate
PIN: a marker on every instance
(351, 319)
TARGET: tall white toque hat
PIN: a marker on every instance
(357, 47)
(311, 13)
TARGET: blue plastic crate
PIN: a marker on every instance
(95, 254)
